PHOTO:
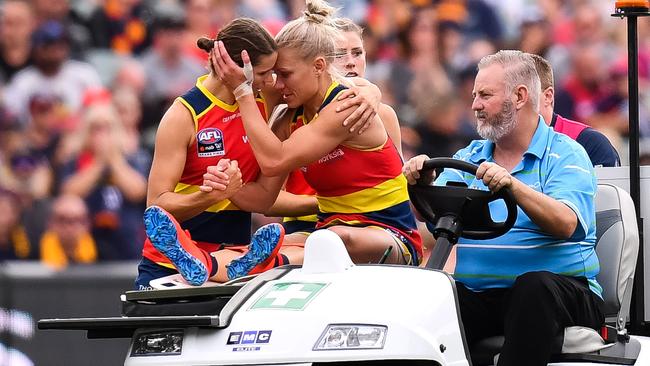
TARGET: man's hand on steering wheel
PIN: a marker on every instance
(412, 169)
(494, 176)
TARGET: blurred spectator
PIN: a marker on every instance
(11, 140)
(16, 25)
(421, 73)
(23, 168)
(450, 43)
(200, 23)
(26, 171)
(112, 181)
(598, 147)
(582, 23)
(169, 71)
(440, 131)
(51, 9)
(52, 71)
(224, 12)
(510, 13)
(31, 176)
(68, 239)
(131, 74)
(479, 20)
(586, 84)
(129, 109)
(262, 10)
(61, 11)
(612, 109)
(552, 9)
(14, 243)
(585, 26)
(46, 121)
(123, 26)
(465, 84)
(352, 9)
(535, 34)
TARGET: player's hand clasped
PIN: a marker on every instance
(223, 179)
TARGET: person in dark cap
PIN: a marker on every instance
(53, 70)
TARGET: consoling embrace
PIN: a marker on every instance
(210, 186)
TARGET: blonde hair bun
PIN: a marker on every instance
(318, 11)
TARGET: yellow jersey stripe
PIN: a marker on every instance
(224, 205)
(310, 218)
(379, 197)
(223, 105)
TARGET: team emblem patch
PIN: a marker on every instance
(210, 143)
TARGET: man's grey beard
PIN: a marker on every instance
(499, 125)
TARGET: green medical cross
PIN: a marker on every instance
(289, 295)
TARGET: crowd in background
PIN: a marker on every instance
(83, 85)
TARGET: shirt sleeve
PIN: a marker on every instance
(599, 148)
(570, 179)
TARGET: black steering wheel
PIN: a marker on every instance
(467, 210)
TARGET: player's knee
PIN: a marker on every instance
(343, 233)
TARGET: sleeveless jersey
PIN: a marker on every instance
(357, 187)
(297, 184)
(220, 135)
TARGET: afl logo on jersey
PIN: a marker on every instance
(210, 143)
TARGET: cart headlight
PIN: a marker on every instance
(163, 343)
(352, 336)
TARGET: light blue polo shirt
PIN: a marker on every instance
(557, 166)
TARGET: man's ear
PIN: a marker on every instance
(320, 65)
(521, 95)
(548, 97)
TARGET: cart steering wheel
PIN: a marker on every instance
(466, 209)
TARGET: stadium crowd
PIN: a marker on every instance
(84, 84)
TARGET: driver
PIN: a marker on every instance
(540, 277)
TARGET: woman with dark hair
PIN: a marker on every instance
(200, 134)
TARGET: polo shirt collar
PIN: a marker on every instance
(482, 152)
